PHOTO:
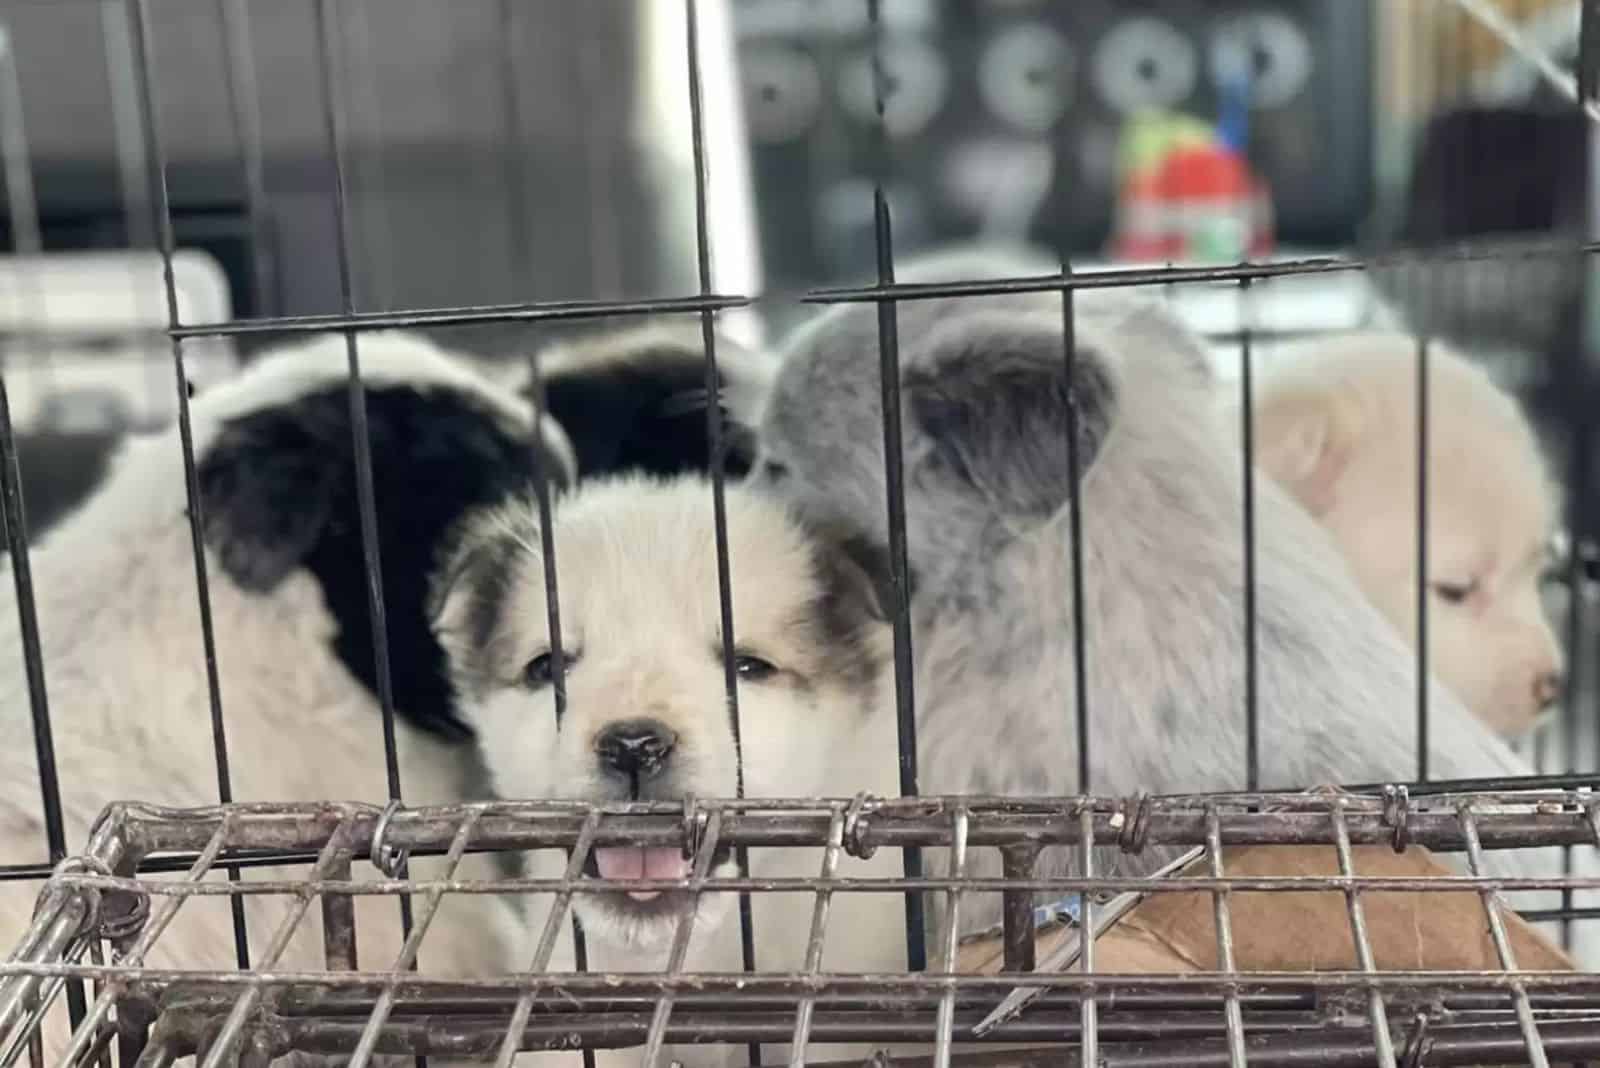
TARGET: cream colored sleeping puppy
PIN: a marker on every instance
(1336, 424)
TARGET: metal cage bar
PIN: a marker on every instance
(894, 478)
(719, 507)
(140, 49)
(1379, 1016)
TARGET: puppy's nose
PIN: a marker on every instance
(1547, 688)
(635, 747)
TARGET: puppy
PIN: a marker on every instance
(646, 715)
(634, 398)
(120, 628)
(1336, 425)
(986, 399)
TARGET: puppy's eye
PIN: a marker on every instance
(774, 471)
(1454, 592)
(541, 670)
(753, 668)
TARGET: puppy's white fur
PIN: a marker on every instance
(120, 629)
(640, 619)
(1336, 425)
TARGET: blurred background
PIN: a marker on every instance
(502, 151)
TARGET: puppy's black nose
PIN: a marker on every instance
(635, 747)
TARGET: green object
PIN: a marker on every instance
(1149, 136)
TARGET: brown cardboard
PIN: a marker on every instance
(1174, 933)
(1417, 930)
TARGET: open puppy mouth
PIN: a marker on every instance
(636, 862)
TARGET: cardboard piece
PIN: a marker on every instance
(1174, 933)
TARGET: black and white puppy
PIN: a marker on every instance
(121, 632)
(634, 400)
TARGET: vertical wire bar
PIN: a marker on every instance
(1224, 921)
(547, 938)
(1497, 933)
(1422, 558)
(948, 937)
(1252, 710)
(100, 1053)
(1018, 934)
(1080, 641)
(141, 50)
(339, 924)
(159, 920)
(1089, 1009)
(1581, 357)
(338, 844)
(408, 950)
(22, 206)
(244, 101)
(1376, 1012)
(819, 929)
(133, 163)
(719, 507)
(894, 476)
(334, 129)
(680, 937)
(366, 167)
(520, 224)
(522, 272)
(1066, 166)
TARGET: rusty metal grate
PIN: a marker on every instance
(1222, 1017)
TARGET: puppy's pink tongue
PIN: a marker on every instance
(629, 862)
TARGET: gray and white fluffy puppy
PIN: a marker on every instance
(985, 397)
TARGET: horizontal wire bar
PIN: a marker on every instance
(1188, 1045)
(1153, 276)
(487, 313)
(1442, 884)
(1438, 831)
(646, 984)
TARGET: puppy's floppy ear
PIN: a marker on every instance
(267, 491)
(856, 573)
(478, 544)
(857, 599)
(992, 399)
(1302, 443)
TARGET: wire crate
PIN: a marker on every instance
(107, 905)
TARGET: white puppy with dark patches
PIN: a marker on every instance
(986, 398)
(124, 663)
(647, 716)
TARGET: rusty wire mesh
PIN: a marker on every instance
(1227, 1016)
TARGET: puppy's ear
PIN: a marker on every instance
(1151, 333)
(480, 544)
(267, 491)
(857, 600)
(856, 573)
(991, 398)
(1302, 444)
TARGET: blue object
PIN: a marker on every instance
(1233, 120)
(1069, 909)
